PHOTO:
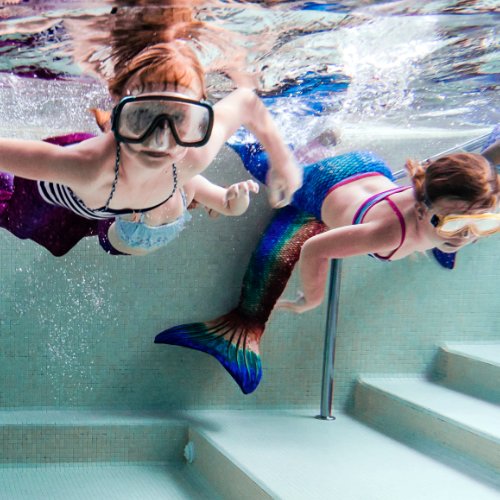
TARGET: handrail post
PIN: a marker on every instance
(330, 337)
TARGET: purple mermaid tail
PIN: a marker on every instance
(26, 215)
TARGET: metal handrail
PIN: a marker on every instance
(468, 146)
(330, 337)
(327, 383)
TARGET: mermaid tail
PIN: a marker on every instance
(26, 215)
(234, 338)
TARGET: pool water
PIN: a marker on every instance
(400, 64)
(402, 78)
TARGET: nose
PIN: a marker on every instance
(162, 137)
(467, 234)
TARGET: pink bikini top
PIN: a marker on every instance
(371, 202)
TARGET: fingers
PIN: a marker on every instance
(279, 196)
(298, 305)
(280, 191)
(253, 186)
(284, 200)
(283, 184)
(241, 189)
(285, 304)
(213, 214)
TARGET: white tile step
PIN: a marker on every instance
(487, 353)
(290, 455)
(426, 414)
(470, 368)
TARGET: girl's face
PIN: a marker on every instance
(160, 145)
(447, 207)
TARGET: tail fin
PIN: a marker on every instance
(233, 341)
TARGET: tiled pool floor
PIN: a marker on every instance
(102, 482)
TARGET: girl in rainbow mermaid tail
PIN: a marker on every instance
(348, 205)
(132, 184)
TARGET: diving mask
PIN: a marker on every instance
(478, 224)
(135, 118)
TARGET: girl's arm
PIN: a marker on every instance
(244, 107)
(346, 241)
(38, 160)
(231, 201)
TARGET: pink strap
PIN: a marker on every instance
(352, 178)
(403, 230)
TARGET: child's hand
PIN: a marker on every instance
(237, 196)
(283, 182)
(299, 305)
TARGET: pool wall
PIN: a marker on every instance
(78, 331)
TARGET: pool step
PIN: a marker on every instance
(66, 436)
(291, 455)
(470, 368)
(108, 455)
(223, 470)
(432, 418)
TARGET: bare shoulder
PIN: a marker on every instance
(83, 164)
(192, 164)
(94, 150)
(190, 188)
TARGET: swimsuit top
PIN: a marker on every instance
(371, 202)
(63, 196)
(138, 234)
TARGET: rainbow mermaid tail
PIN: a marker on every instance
(233, 339)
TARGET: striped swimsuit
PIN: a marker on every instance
(63, 196)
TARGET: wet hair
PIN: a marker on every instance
(462, 176)
(169, 63)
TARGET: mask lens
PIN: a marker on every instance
(454, 225)
(136, 117)
(486, 225)
(479, 225)
(191, 122)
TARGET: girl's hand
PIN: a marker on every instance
(299, 305)
(283, 182)
(237, 196)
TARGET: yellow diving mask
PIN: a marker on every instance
(478, 224)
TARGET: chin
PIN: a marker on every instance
(450, 248)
